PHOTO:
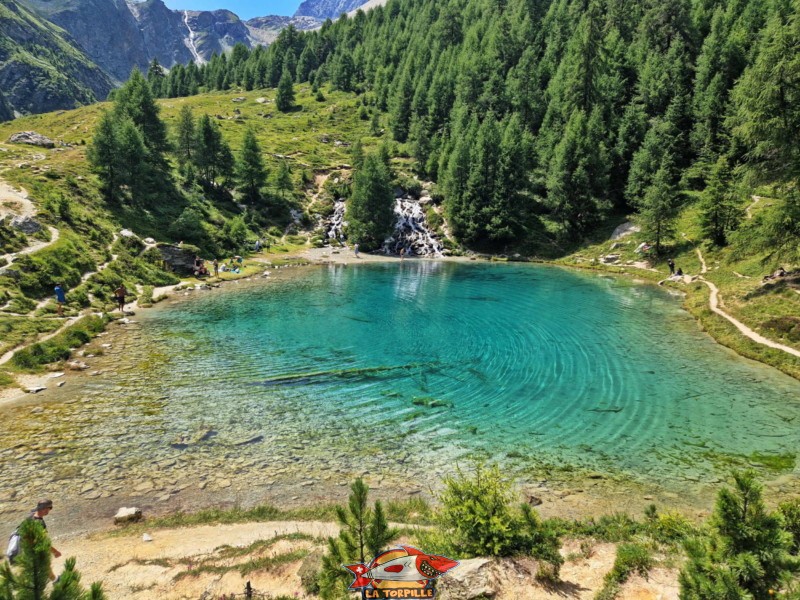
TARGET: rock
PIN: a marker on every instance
(180, 260)
(250, 440)
(534, 500)
(56, 375)
(609, 259)
(472, 579)
(239, 99)
(127, 233)
(77, 365)
(87, 488)
(626, 228)
(32, 138)
(61, 383)
(146, 537)
(595, 475)
(145, 486)
(26, 224)
(149, 241)
(35, 389)
(224, 483)
(127, 515)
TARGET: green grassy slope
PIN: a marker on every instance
(40, 68)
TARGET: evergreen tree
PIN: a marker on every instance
(250, 171)
(370, 211)
(357, 155)
(156, 78)
(103, 155)
(747, 554)
(284, 98)
(134, 100)
(578, 174)
(212, 157)
(283, 179)
(364, 533)
(32, 571)
(185, 135)
(719, 210)
(658, 208)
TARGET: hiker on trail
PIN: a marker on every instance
(61, 298)
(671, 265)
(258, 245)
(119, 295)
(355, 250)
(43, 508)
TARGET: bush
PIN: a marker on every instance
(479, 519)
(790, 511)
(631, 558)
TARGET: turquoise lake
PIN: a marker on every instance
(405, 370)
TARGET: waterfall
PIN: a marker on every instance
(335, 224)
(411, 230)
(190, 42)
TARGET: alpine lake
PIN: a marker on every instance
(594, 393)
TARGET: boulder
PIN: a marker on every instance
(77, 365)
(626, 228)
(472, 579)
(127, 515)
(26, 224)
(32, 138)
(127, 233)
(609, 259)
(180, 260)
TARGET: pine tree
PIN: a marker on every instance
(284, 98)
(32, 571)
(185, 135)
(357, 155)
(370, 211)
(719, 210)
(364, 533)
(135, 101)
(747, 555)
(156, 78)
(658, 208)
(250, 171)
(212, 157)
(132, 159)
(283, 179)
(103, 155)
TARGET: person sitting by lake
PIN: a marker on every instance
(61, 299)
(679, 272)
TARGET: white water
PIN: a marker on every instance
(411, 231)
(190, 41)
(335, 224)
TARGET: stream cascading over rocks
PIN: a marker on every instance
(335, 224)
(411, 230)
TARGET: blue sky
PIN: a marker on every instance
(246, 9)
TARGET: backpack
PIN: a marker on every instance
(13, 547)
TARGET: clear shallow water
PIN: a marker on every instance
(402, 370)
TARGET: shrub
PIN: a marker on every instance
(631, 558)
(790, 511)
(479, 519)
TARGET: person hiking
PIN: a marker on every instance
(355, 250)
(43, 508)
(216, 267)
(61, 298)
(671, 265)
(119, 295)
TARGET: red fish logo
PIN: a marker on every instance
(401, 568)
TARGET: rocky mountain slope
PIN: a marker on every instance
(327, 9)
(41, 69)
